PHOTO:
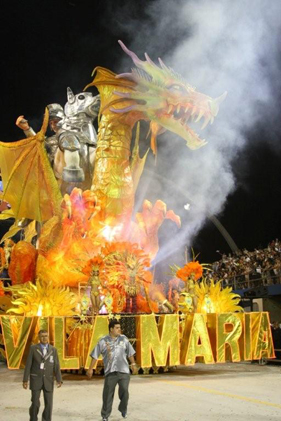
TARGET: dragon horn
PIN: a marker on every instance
(134, 57)
(214, 104)
(70, 96)
(221, 98)
(164, 67)
(148, 59)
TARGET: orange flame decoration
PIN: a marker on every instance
(2, 292)
(81, 208)
(191, 269)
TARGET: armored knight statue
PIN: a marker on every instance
(72, 148)
(77, 138)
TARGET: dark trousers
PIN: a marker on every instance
(110, 382)
(35, 404)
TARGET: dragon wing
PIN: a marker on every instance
(29, 183)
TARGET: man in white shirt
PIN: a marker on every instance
(116, 350)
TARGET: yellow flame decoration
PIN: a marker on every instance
(42, 299)
(212, 298)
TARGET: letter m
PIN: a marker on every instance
(160, 339)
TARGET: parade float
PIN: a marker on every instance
(84, 258)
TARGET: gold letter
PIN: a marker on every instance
(66, 363)
(159, 342)
(262, 338)
(16, 338)
(247, 349)
(229, 330)
(196, 341)
(100, 329)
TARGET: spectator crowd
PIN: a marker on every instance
(248, 269)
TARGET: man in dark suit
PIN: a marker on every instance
(41, 366)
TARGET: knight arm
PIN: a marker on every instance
(22, 123)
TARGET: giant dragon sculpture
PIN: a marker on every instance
(74, 228)
(152, 93)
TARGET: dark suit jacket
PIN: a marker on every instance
(42, 377)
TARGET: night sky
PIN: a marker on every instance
(49, 45)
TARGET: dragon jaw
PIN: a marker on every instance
(164, 98)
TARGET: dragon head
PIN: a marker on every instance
(163, 97)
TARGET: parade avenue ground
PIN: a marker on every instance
(219, 392)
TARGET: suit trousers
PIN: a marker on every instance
(110, 382)
(35, 404)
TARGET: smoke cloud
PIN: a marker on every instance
(216, 46)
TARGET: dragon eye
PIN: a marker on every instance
(178, 88)
(81, 97)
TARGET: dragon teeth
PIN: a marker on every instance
(207, 119)
(193, 111)
(170, 109)
(200, 115)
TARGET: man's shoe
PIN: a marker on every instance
(105, 419)
(124, 414)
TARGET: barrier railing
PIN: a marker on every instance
(246, 282)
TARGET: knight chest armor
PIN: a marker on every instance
(80, 124)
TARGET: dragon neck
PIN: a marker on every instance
(112, 180)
